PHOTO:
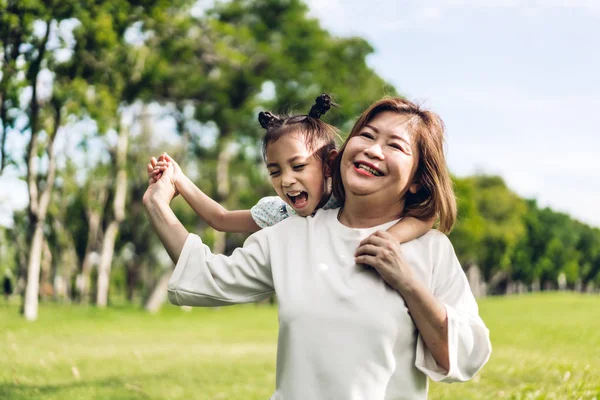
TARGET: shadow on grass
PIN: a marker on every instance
(108, 388)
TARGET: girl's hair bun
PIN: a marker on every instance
(268, 120)
(322, 105)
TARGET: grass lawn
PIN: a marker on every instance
(546, 346)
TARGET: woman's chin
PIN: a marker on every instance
(359, 188)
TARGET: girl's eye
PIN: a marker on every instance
(299, 167)
(274, 173)
(366, 135)
(396, 146)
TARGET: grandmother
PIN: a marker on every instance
(361, 317)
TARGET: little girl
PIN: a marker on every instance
(298, 151)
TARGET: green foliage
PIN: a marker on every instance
(499, 231)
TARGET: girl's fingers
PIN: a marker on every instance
(385, 235)
(374, 239)
(153, 161)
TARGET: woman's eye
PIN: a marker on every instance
(396, 146)
(366, 135)
(273, 173)
(299, 167)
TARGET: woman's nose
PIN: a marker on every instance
(374, 151)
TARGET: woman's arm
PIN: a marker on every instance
(200, 277)
(157, 197)
(170, 231)
(453, 341)
(409, 228)
(215, 215)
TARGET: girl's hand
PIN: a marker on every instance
(382, 252)
(153, 173)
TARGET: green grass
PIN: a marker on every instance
(546, 346)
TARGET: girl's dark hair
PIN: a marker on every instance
(319, 136)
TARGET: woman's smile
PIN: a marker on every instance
(379, 159)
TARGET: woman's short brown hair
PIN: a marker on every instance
(435, 194)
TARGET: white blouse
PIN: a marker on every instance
(343, 332)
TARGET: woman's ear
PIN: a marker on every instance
(414, 187)
(328, 163)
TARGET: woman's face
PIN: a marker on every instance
(381, 159)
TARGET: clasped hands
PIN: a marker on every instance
(162, 179)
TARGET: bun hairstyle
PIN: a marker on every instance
(269, 120)
(322, 105)
(319, 136)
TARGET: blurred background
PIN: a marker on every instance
(90, 90)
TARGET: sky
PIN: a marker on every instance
(516, 83)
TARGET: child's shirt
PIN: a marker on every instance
(272, 209)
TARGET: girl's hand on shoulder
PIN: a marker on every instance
(382, 252)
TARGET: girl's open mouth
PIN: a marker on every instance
(298, 199)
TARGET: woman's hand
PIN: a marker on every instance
(382, 252)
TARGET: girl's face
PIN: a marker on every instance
(381, 159)
(296, 173)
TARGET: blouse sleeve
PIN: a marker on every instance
(269, 211)
(205, 279)
(468, 338)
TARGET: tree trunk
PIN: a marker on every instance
(30, 307)
(108, 247)
(38, 204)
(223, 189)
(94, 218)
(159, 293)
(110, 236)
(46, 289)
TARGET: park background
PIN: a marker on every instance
(89, 90)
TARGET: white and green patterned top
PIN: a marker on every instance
(272, 209)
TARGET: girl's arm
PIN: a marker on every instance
(409, 228)
(215, 215)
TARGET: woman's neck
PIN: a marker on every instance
(364, 212)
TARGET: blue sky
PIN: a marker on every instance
(516, 82)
